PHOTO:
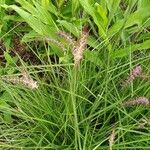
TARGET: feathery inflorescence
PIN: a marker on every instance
(136, 72)
(80, 46)
(111, 139)
(59, 44)
(25, 80)
(28, 81)
(137, 101)
(67, 37)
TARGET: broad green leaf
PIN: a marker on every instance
(56, 49)
(138, 17)
(44, 15)
(70, 27)
(103, 14)
(112, 6)
(27, 6)
(87, 7)
(93, 56)
(135, 18)
(115, 28)
(143, 3)
(65, 59)
(34, 23)
(135, 47)
(94, 43)
(30, 36)
(7, 42)
(13, 18)
(60, 3)
(75, 5)
(38, 11)
(104, 4)
(47, 4)
(95, 15)
(8, 58)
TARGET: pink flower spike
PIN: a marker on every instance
(137, 71)
(137, 101)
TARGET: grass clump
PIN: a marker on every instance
(74, 74)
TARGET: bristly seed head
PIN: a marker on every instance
(136, 72)
(28, 81)
(80, 46)
(112, 138)
(137, 101)
(67, 37)
(59, 44)
(25, 80)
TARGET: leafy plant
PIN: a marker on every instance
(85, 51)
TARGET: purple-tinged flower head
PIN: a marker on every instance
(80, 46)
(67, 37)
(137, 101)
(137, 71)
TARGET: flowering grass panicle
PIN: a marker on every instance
(79, 47)
(59, 44)
(25, 80)
(28, 81)
(136, 72)
(111, 139)
(67, 37)
(137, 101)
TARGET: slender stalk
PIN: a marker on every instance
(74, 81)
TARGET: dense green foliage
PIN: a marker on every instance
(74, 107)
